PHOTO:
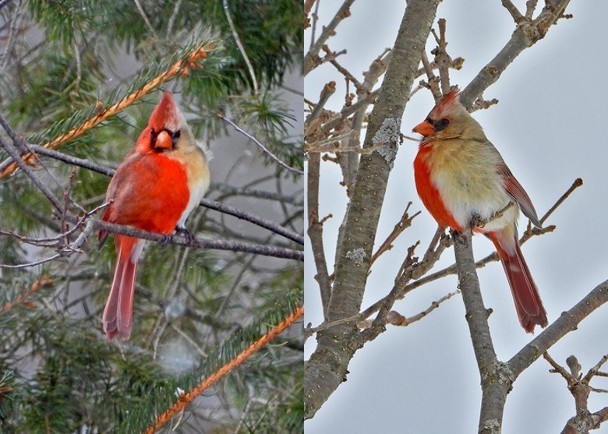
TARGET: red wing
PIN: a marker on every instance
(517, 192)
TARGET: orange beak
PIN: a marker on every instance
(425, 128)
(163, 140)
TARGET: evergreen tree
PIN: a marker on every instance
(79, 79)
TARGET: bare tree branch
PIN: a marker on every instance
(327, 366)
(312, 59)
(524, 36)
(578, 385)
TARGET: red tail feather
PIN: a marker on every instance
(528, 304)
(119, 307)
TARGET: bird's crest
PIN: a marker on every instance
(447, 104)
(166, 115)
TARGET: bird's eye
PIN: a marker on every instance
(441, 124)
(177, 134)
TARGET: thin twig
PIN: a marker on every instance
(243, 215)
(578, 182)
(432, 79)
(141, 11)
(328, 90)
(261, 146)
(396, 319)
(442, 59)
(404, 222)
(315, 223)
(311, 59)
(14, 154)
(239, 44)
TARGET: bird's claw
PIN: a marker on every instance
(186, 233)
(165, 240)
(477, 222)
(458, 237)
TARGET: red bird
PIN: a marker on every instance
(155, 188)
(462, 179)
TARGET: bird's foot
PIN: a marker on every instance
(186, 233)
(166, 239)
(477, 222)
(458, 237)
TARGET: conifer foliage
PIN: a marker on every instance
(78, 80)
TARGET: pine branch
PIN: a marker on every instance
(186, 398)
(22, 298)
(83, 120)
(160, 403)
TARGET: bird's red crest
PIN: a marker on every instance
(446, 104)
(165, 115)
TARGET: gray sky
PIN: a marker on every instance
(548, 127)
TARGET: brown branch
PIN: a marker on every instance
(442, 59)
(327, 366)
(431, 256)
(201, 243)
(347, 111)
(409, 270)
(186, 399)
(580, 389)
(312, 59)
(180, 67)
(396, 319)
(177, 239)
(525, 35)
(11, 149)
(567, 322)
(404, 222)
(349, 162)
(496, 380)
(347, 75)
(578, 182)
(517, 16)
(328, 90)
(432, 80)
(315, 226)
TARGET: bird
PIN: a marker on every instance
(155, 188)
(464, 183)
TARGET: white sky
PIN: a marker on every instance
(548, 127)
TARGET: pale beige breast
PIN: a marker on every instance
(464, 173)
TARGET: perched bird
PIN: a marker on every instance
(465, 184)
(161, 180)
